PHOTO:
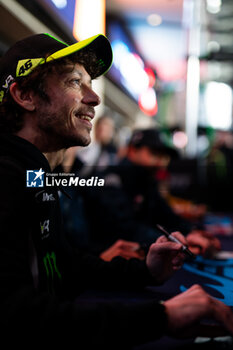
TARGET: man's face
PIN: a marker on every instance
(66, 119)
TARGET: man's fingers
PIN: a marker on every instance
(223, 314)
(208, 243)
(180, 237)
(127, 245)
(197, 250)
(214, 308)
(129, 255)
(178, 260)
(177, 235)
(162, 239)
(167, 246)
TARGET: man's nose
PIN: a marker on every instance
(90, 97)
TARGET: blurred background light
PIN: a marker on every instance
(213, 46)
(148, 102)
(180, 139)
(213, 6)
(135, 77)
(192, 103)
(89, 18)
(154, 19)
(60, 4)
(218, 105)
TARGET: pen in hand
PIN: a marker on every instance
(174, 239)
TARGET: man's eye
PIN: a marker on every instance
(76, 81)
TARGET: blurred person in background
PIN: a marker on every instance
(130, 205)
(219, 173)
(102, 151)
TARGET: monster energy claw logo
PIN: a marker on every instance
(51, 269)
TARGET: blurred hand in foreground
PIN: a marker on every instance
(186, 311)
(201, 242)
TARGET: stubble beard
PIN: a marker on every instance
(53, 132)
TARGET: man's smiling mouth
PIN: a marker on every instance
(85, 117)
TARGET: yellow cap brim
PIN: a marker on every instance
(98, 43)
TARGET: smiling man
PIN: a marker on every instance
(47, 105)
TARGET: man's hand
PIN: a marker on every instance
(186, 310)
(165, 257)
(124, 249)
(201, 242)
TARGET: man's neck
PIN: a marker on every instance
(55, 158)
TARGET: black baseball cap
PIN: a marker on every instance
(153, 139)
(25, 55)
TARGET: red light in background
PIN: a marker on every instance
(148, 102)
(151, 76)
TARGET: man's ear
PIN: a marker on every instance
(24, 99)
